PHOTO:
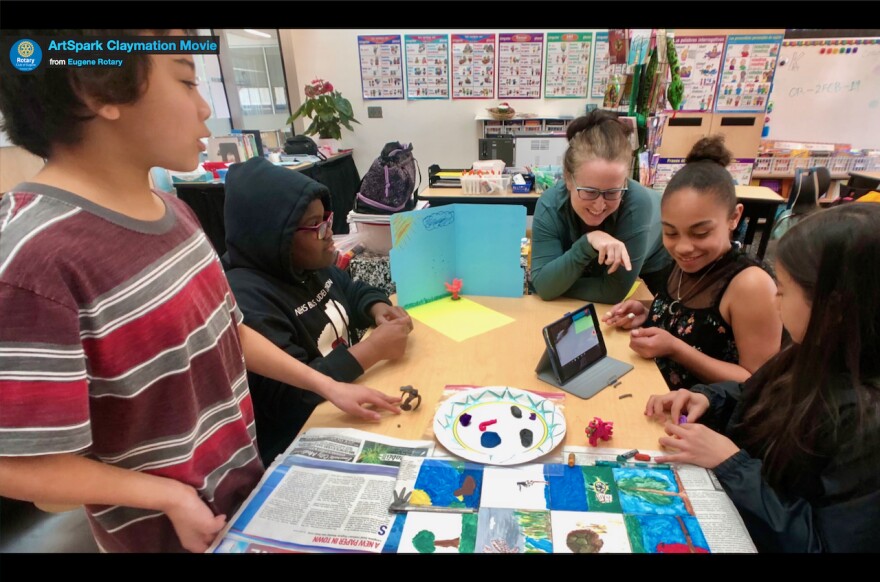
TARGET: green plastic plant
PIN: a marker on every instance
(328, 110)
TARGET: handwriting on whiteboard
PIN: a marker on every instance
(826, 88)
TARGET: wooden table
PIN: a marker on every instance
(869, 179)
(759, 207)
(507, 356)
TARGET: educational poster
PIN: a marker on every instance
(601, 66)
(473, 66)
(567, 68)
(700, 65)
(427, 66)
(519, 65)
(664, 170)
(740, 169)
(747, 73)
(381, 66)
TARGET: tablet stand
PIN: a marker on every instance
(589, 382)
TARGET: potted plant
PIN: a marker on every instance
(328, 110)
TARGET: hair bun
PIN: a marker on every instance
(710, 149)
(593, 119)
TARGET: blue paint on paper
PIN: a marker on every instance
(566, 490)
(658, 531)
(441, 479)
(490, 440)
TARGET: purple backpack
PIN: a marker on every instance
(389, 185)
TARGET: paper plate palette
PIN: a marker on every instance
(499, 425)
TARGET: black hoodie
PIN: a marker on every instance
(304, 313)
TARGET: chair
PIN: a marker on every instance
(803, 199)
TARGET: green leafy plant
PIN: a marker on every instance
(328, 110)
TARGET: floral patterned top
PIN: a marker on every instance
(698, 321)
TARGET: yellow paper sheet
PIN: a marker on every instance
(460, 319)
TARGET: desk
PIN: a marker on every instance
(759, 203)
(507, 356)
(863, 179)
(443, 196)
(338, 173)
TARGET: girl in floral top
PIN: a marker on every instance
(715, 319)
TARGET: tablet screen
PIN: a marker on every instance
(575, 342)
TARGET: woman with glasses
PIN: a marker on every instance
(715, 318)
(595, 232)
(280, 262)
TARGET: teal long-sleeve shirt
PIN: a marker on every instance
(565, 263)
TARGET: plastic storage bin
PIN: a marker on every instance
(485, 184)
(496, 166)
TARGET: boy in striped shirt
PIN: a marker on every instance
(123, 358)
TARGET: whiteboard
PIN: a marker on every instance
(827, 90)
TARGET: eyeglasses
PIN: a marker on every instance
(593, 193)
(322, 229)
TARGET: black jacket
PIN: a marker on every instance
(833, 503)
(304, 313)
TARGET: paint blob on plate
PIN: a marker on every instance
(499, 425)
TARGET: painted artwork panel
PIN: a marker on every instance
(438, 533)
(523, 487)
(587, 532)
(666, 534)
(513, 531)
(448, 484)
(649, 491)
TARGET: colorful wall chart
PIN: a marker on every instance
(601, 66)
(567, 68)
(747, 73)
(473, 66)
(381, 66)
(700, 65)
(427, 66)
(519, 65)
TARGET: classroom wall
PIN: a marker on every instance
(442, 131)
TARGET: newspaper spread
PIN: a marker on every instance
(329, 492)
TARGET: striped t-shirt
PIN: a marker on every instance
(119, 341)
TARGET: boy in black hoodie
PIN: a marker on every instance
(280, 264)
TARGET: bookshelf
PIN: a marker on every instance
(519, 126)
